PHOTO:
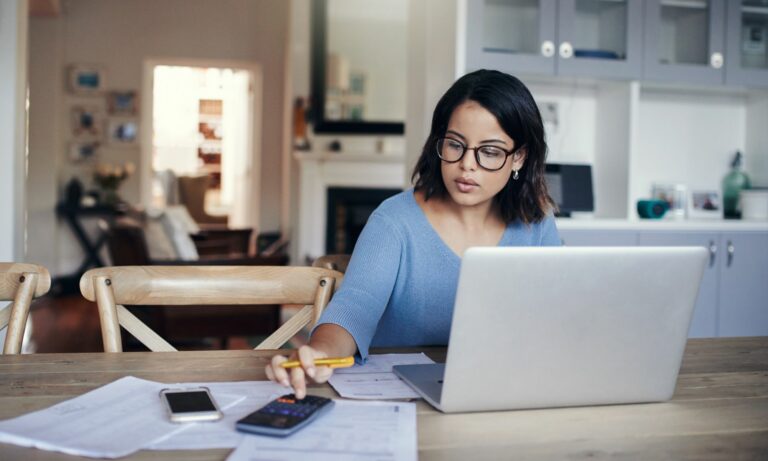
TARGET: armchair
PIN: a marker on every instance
(192, 191)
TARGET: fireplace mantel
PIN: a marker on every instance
(321, 170)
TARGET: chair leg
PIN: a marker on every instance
(18, 318)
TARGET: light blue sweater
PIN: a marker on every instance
(400, 285)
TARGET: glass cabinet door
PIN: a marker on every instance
(515, 36)
(600, 38)
(685, 41)
(747, 60)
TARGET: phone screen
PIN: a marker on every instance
(189, 402)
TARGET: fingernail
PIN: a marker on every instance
(285, 383)
(311, 372)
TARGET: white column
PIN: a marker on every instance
(13, 89)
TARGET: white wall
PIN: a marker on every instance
(13, 74)
(13, 77)
(687, 138)
(121, 35)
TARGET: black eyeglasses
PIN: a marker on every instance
(491, 158)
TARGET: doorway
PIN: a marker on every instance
(204, 123)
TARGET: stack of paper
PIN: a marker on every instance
(381, 431)
(126, 415)
(375, 380)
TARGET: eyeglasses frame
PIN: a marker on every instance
(475, 149)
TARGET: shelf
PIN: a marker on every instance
(661, 224)
(204, 118)
(372, 157)
(691, 4)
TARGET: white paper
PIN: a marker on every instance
(109, 422)
(222, 433)
(127, 415)
(381, 431)
(375, 380)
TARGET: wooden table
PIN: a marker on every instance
(719, 411)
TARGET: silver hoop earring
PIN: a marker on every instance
(516, 176)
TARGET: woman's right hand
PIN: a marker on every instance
(297, 377)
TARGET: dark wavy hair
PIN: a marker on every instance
(508, 99)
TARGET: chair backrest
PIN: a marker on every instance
(126, 243)
(337, 262)
(113, 287)
(19, 283)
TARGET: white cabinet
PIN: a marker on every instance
(743, 296)
(592, 38)
(685, 41)
(704, 322)
(598, 238)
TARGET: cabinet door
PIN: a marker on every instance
(747, 43)
(704, 322)
(600, 39)
(744, 284)
(514, 36)
(684, 41)
(598, 238)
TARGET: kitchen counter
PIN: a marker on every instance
(661, 224)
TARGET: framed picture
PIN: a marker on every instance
(87, 121)
(86, 79)
(674, 195)
(123, 131)
(705, 204)
(82, 151)
(122, 102)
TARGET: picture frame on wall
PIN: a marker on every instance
(705, 204)
(83, 151)
(86, 79)
(122, 102)
(123, 131)
(87, 121)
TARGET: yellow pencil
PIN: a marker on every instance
(333, 362)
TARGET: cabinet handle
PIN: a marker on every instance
(712, 252)
(547, 48)
(566, 50)
(716, 60)
(731, 250)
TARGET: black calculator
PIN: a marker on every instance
(284, 415)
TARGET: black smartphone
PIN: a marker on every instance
(284, 415)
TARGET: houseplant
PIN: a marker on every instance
(108, 178)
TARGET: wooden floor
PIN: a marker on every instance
(71, 324)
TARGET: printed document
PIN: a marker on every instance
(127, 415)
(381, 431)
(375, 380)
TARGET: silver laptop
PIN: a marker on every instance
(556, 327)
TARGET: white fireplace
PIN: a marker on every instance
(319, 171)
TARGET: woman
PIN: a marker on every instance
(478, 182)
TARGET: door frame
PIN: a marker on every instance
(147, 107)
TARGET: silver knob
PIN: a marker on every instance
(566, 50)
(547, 48)
(712, 252)
(716, 60)
(731, 248)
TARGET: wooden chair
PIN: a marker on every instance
(20, 284)
(337, 262)
(113, 287)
